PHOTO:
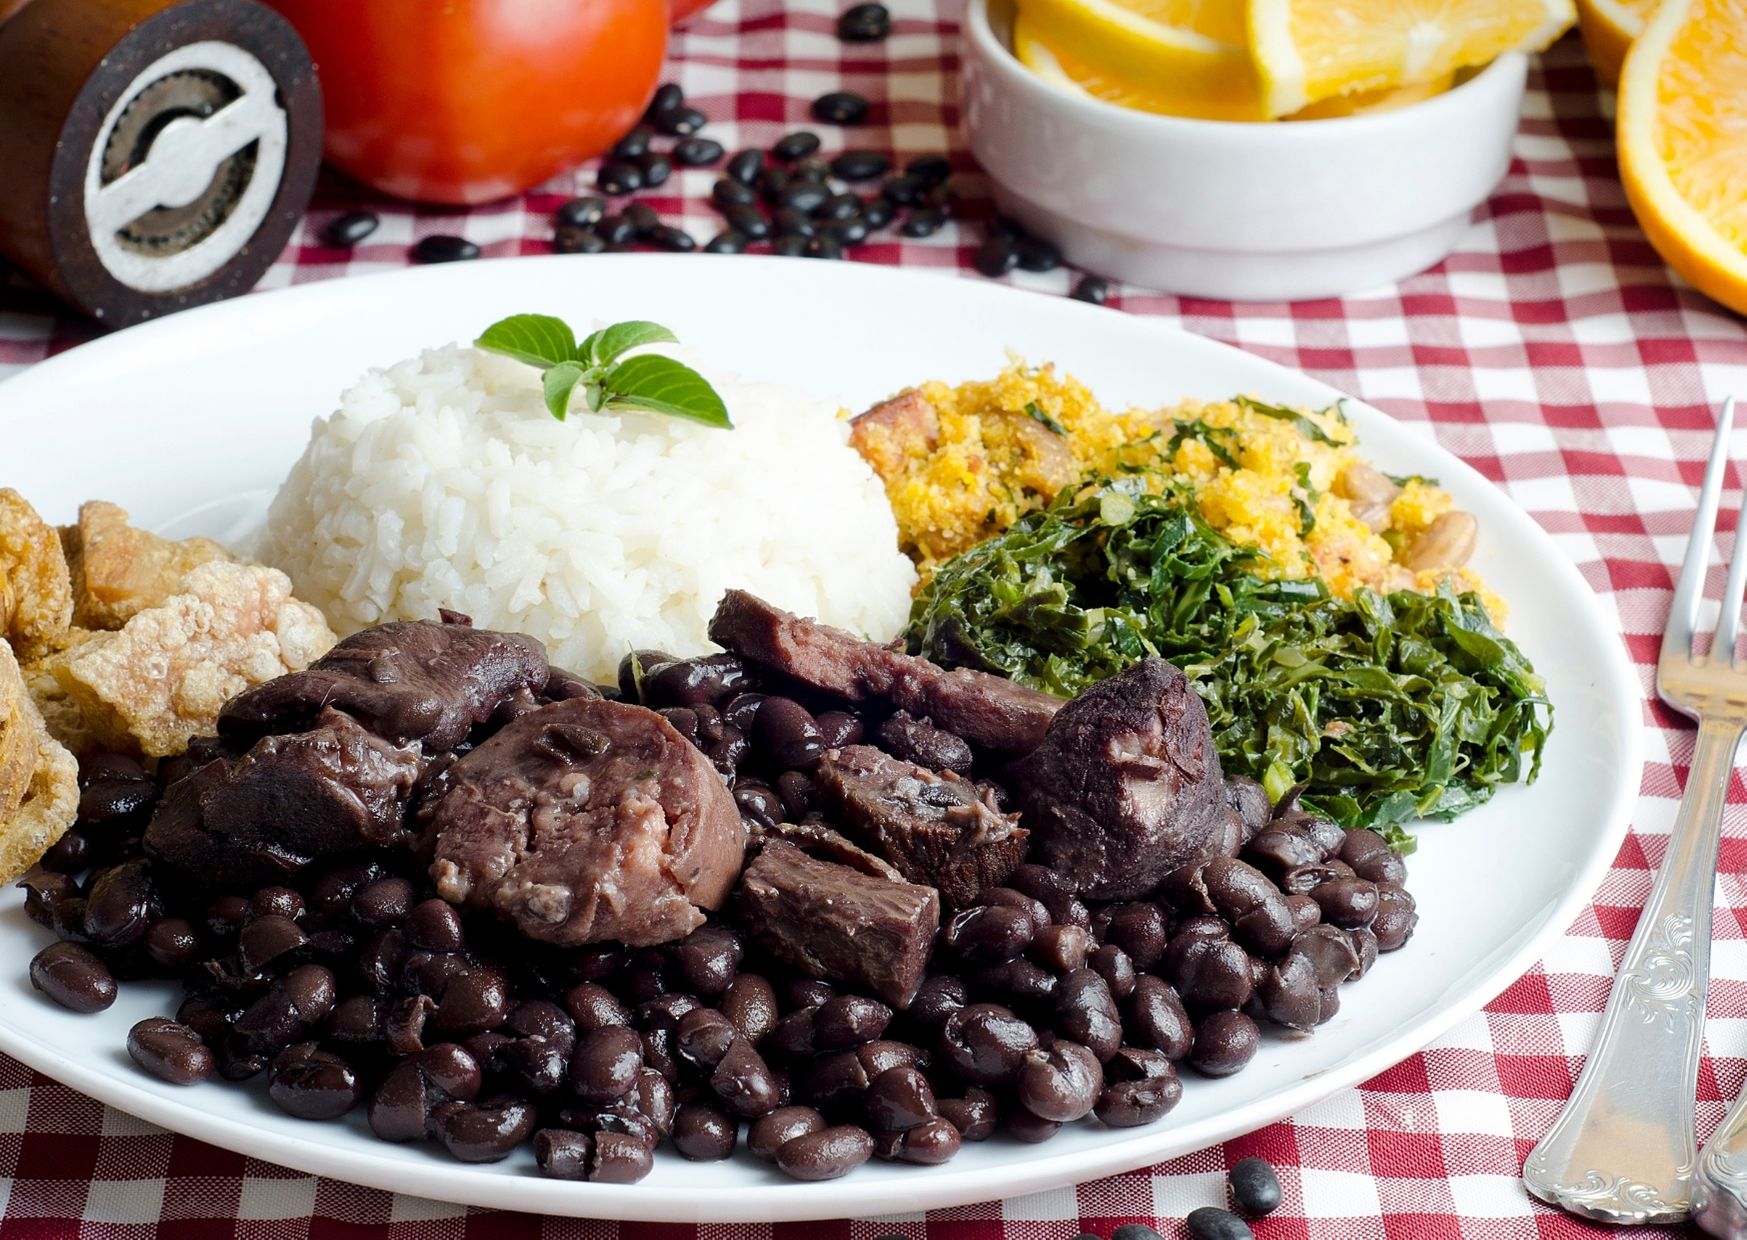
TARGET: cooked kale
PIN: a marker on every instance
(1390, 707)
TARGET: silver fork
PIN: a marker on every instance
(1623, 1149)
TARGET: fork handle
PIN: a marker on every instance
(1623, 1149)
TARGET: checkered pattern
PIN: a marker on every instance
(1553, 351)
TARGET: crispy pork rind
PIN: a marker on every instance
(119, 571)
(39, 779)
(36, 593)
(162, 678)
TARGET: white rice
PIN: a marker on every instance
(443, 482)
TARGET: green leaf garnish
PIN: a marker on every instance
(537, 339)
(1306, 427)
(647, 383)
(1048, 423)
(659, 384)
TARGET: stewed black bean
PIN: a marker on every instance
(443, 248)
(349, 229)
(73, 977)
(1061, 1082)
(1224, 1043)
(826, 1154)
(311, 1083)
(1086, 1012)
(864, 23)
(704, 1133)
(985, 1043)
(1213, 1223)
(974, 1115)
(170, 1051)
(1347, 902)
(620, 1159)
(562, 1154)
(485, 1131)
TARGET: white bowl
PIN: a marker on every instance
(1234, 210)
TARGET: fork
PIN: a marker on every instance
(1623, 1149)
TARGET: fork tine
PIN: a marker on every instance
(1683, 615)
(1729, 621)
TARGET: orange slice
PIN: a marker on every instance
(1608, 27)
(1682, 133)
(1310, 50)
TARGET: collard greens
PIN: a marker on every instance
(1388, 707)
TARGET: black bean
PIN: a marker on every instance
(1207, 968)
(645, 219)
(679, 122)
(349, 229)
(1135, 1231)
(708, 958)
(1061, 949)
(900, 1098)
(885, 1053)
(706, 680)
(989, 934)
(845, 1021)
(773, 181)
(1131, 1063)
(1037, 254)
(864, 23)
(838, 207)
(265, 940)
(790, 223)
(1254, 1186)
(1347, 902)
(311, 1083)
(796, 145)
(860, 165)
(120, 904)
(696, 152)
(656, 168)
(434, 926)
(1289, 994)
(473, 1002)
(1018, 981)
(747, 223)
(974, 1115)
(485, 1131)
(429, 973)
(743, 1081)
(750, 1006)
(1395, 919)
(922, 222)
(1086, 1012)
(745, 166)
(443, 248)
(667, 95)
(758, 802)
(703, 1036)
(840, 107)
(1142, 930)
(985, 1043)
(1061, 1083)
(1130, 1104)
(71, 854)
(605, 1063)
(172, 942)
(939, 996)
(804, 196)
(620, 1159)
(996, 257)
(797, 791)
(929, 169)
(384, 902)
(1113, 965)
(905, 190)
(826, 1154)
(1224, 1043)
(618, 177)
(584, 212)
(704, 1133)
(634, 144)
(876, 213)
(1331, 951)
(562, 1154)
(1157, 1019)
(1023, 1125)
(357, 1019)
(677, 240)
(1367, 945)
(787, 733)
(170, 1051)
(1093, 289)
(771, 1132)
(1212, 1223)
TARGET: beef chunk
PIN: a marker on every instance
(985, 710)
(938, 829)
(1126, 787)
(833, 922)
(818, 840)
(257, 819)
(584, 821)
(412, 681)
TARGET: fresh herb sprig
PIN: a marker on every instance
(610, 381)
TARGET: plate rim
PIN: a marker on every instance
(940, 1187)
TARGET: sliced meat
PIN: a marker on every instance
(818, 840)
(411, 681)
(584, 821)
(985, 710)
(1126, 787)
(288, 801)
(833, 922)
(939, 829)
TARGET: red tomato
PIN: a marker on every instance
(464, 101)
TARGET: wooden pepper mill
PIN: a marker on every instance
(156, 153)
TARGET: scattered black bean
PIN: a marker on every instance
(680, 122)
(667, 96)
(1037, 254)
(1254, 1187)
(619, 177)
(728, 241)
(790, 245)
(824, 245)
(1212, 1223)
(930, 169)
(696, 152)
(904, 190)
(577, 241)
(678, 240)
(877, 212)
(442, 248)
(852, 231)
(924, 222)
(840, 107)
(1135, 1231)
(814, 168)
(634, 144)
(796, 145)
(345, 232)
(805, 196)
(864, 23)
(745, 166)
(792, 223)
(996, 256)
(656, 169)
(728, 192)
(584, 212)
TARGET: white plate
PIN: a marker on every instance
(191, 420)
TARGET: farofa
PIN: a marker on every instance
(962, 463)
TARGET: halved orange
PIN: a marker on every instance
(1309, 50)
(1608, 28)
(1682, 133)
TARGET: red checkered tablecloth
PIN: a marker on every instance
(1553, 351)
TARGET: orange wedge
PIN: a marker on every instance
(1608, 27)
(1682, 133)
(1310, 50)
